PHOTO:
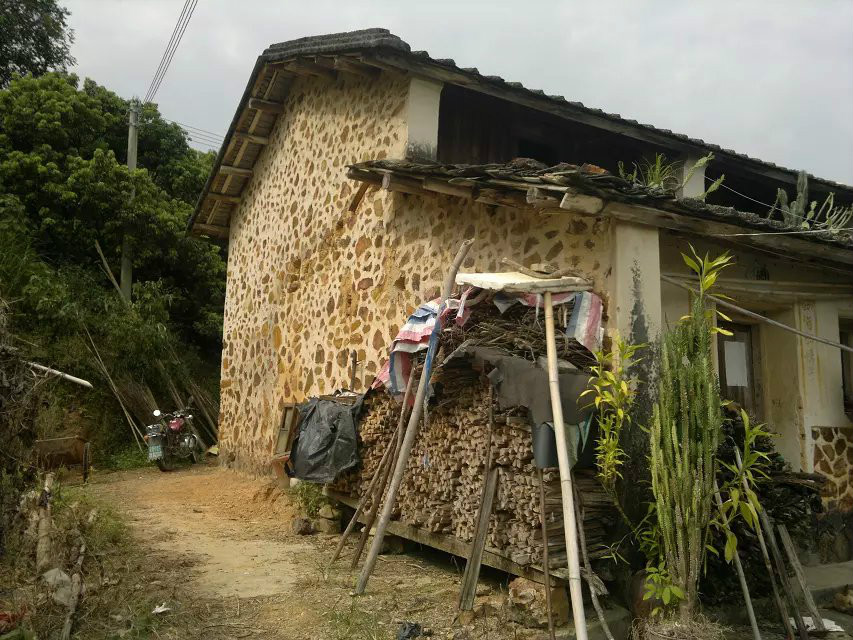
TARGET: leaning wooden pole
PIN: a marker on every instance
(395, 443)
(569, 521)
(780, 604)
(739, 567)
(411, 428)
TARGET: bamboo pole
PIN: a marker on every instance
(570, 525)
(591, 577)
(43, 542)
(545, 568)
(739, 567)
(780, 604)
(411, 428)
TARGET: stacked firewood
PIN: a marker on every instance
(442, 488)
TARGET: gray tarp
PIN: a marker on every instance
(326, 443)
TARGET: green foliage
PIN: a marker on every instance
(63, 188)
(661, 175)
(659, 585)
(310, 497)
(612, 397)
(795, 214)
(684, 436)
(34, 38)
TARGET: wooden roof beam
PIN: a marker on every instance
(250, 137)
(307, 68)
(391, 182)
(351, 66)
(214, 230)
(267, 106)
(230, 170)
(224, 197)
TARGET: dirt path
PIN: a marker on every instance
(230, 563)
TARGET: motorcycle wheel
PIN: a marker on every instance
(166, 463)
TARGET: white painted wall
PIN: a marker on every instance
(422, 117)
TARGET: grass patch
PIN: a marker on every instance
(129, 457)
(309, 497)
(354, 623)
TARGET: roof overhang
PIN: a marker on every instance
(591, 191)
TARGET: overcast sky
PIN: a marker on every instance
(773, 79)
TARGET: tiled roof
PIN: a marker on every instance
(382, 39)
(381, 48)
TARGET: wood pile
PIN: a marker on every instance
(442, 487)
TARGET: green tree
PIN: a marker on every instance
(65, 189)
(34, 38)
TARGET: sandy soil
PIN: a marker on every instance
(224, 545)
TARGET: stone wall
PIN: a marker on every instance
(833, 458)
(309, 280)
(301, 266)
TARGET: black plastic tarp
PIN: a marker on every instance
(326, 444)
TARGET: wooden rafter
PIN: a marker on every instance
(267, 106)
(230, 170)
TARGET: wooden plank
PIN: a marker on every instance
(782, 572)
(229, 170)
(224, 197)
(250, 137)
(391, 182)
(455, 546)
(306, 68)
(478, 546)
(779, 244)
(210, 230)
(791, 552)
(265, 105)
(351, 66)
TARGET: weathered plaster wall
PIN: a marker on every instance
(303, 271)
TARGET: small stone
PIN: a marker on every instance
(302, 526)
(328, 512)
(483, 590)
(324, 525)
(526, 604)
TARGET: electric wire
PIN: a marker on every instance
(171, 48)
(165, 52)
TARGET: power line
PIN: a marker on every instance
(175, 41)
(168, 47)
(190, 128)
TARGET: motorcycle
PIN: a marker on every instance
(173, 438)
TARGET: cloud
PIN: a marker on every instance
(773, 79)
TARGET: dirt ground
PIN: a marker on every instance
(220, 550)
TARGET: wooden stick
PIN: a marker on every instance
(487, 498)
(593, 592)
(788, 544)
(364, 501)
(385, 472)
(44, 526)
(76, 588)
(545, 568)
(780, 604)
(740, 575)
(569, 523)
(411, 429)
(770, 537)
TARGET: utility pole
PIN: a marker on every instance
(126, 251)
